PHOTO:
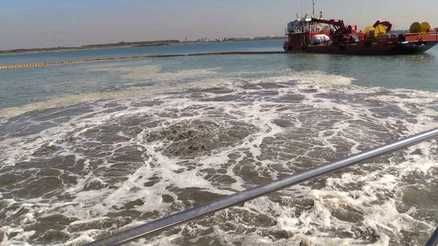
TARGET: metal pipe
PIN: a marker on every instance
(239, 198)
(433, 241)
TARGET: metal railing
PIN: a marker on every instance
(241, 197)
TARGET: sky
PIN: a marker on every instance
(50, 23)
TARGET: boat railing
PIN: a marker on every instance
(126, 236)
(428, 37)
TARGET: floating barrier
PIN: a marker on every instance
(23, 66)
(129, 58)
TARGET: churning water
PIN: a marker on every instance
(89, 148)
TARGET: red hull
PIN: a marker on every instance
(351, 49)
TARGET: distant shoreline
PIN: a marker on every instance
(92, 46)
(126, 45)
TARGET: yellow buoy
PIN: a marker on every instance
(415, 28)
(425, 27)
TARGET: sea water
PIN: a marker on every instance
(92, 147)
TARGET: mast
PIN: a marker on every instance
(313, 4)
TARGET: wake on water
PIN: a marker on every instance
(100, 162)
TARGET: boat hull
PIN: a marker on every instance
(395, 49)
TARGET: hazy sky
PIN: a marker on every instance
(45, 23)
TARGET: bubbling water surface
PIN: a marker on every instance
(74, 172)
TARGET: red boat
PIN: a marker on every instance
(318, 35)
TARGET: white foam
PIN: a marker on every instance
(380, 215)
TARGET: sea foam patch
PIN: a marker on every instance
(75, 172)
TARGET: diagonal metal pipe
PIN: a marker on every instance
(241, 197)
